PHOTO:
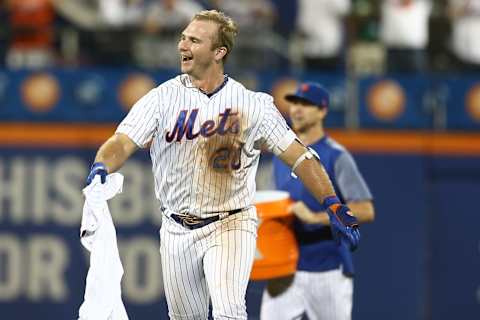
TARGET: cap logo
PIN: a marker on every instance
(305, 87)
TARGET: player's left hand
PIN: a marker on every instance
(343, 224)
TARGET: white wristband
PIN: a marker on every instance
(307, 155)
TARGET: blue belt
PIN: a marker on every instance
(192, 222)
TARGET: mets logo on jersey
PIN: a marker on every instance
(184, 126)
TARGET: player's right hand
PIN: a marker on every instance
(100, 169)
(343, 224)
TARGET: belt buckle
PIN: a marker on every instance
(189, 221)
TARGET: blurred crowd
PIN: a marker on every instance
(360, 36)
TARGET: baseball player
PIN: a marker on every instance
(205, 132)
(322, 287)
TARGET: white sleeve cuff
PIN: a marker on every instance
(284, 142)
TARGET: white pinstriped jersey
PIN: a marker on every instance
(205, 150)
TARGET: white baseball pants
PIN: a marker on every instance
(212, 262)
(321, 295)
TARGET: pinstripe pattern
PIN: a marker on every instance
(205, 153)
(184, 179)
(213, 262)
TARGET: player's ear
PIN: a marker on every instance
(323, 112)
(220, 52)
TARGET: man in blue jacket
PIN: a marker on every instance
(322, 287)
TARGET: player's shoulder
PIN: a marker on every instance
(174, 83)
(338, 151)
(257, 96)
(172, 88)
(335, 145)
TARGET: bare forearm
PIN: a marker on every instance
(310, 171)
(316, 179)
(114, 152)
(320, 218)
(362, 210)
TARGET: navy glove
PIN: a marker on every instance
(343, 224)
(97, 168)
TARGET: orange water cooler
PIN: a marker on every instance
(277, 251)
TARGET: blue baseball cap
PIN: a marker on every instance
(312, 93)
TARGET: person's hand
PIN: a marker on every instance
(343, 224)
(97, 168)
(302, 212)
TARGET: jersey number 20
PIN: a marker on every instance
(225, 159)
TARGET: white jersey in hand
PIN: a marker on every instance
(205, 150)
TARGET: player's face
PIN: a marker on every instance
(196, 47)
(306, 116)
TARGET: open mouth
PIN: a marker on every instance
(185, 58)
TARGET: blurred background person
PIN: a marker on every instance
(31, 36)
(169, 14)
(249, 14)
(156, 45)
(96, 32)
(4, 31)
(123, 12)
(322, 287)
(404, 33)
(148, 28)
(123, 38)
(465, 38)
(257, 45)
(320, 25)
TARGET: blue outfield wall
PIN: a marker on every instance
(418, 260)
(104, 95)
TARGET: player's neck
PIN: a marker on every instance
(210, 80)
(312, 135)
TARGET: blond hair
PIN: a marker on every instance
(227, 29)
